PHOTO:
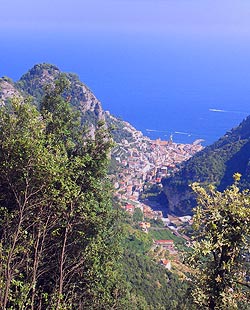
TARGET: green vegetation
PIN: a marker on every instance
(151, 192)
(214, 165)
(64, 244)
(35, 81)
(138, 215)
(221, 250)
(137, 241)
(32, 82)
(156, 223)
(58, 238)
(119, 132)
(180, 243)
(166, 235)
(150, 286)
(153, 287)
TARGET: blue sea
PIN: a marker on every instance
(192, 88)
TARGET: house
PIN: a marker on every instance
(144, 225)
(130, 208)
(165, 263)
(165, 244)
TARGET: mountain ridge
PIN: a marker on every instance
(215, 164)
(32, 84)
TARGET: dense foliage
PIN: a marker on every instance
(150, 285)
(153, 287)
(58, 237)
(221, 248)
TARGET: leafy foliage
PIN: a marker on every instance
(35, 83)
(58, 238)
(150, 286)
(221, 247)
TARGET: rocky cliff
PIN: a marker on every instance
(8, 90)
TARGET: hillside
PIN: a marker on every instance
(121, 261)
(45, 157)
(33, 83)
(135, 158)
(215, 164)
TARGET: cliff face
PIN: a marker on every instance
(34, 81)
(8, 90)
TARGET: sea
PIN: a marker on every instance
(184, 87)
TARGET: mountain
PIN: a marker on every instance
(32, 84)
(215, 164)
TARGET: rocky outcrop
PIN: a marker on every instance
(86, 99)
(35, 80)
(8, 91)
(179, 202)
(33, 83)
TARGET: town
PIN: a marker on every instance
(142, 163)
(142, 160)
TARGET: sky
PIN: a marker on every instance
(155, 17)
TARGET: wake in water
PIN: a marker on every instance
(172, 133)
(183, 133)
(227, 111)
(155, 130)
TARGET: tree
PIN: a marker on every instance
(25, 174)
(137, 215)
(59, 241)
(221, 246)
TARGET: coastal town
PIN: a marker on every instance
(143, 161)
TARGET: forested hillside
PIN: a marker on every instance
(215, 164)
(64, 241)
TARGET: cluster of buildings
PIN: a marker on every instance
(144, 160)
(148, 212)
